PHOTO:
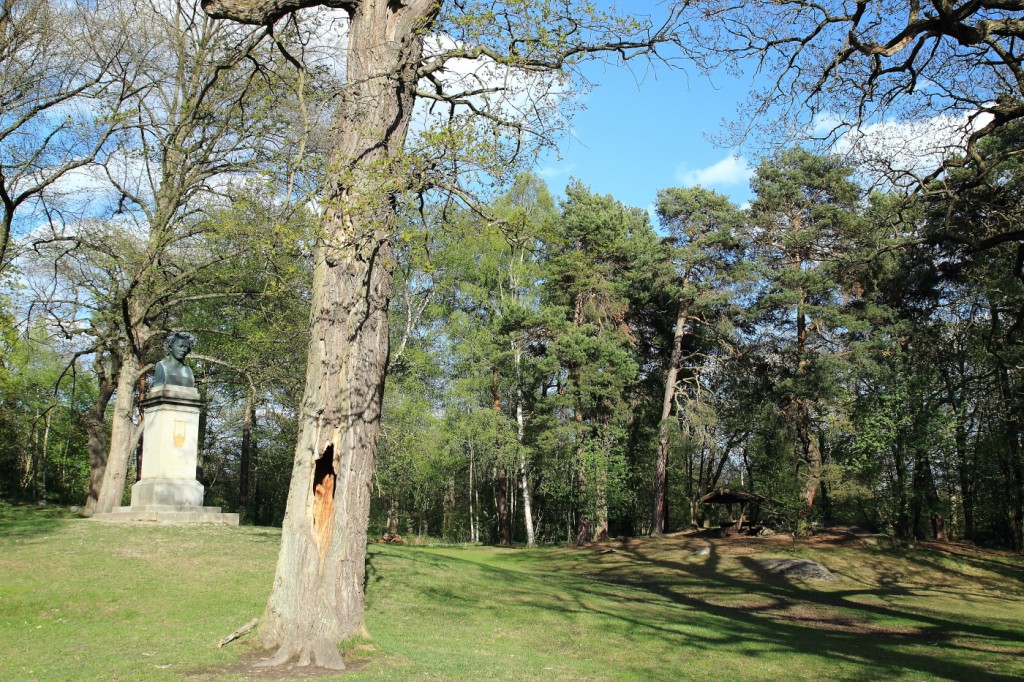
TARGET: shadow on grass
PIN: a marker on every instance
(1004, 564)
(875, 636)
(28, 521)
(633, 590)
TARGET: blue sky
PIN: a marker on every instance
(648, 129)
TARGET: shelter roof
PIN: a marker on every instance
(731, 496)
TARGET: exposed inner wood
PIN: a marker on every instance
(323, 499)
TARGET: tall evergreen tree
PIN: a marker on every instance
(805, 207)
(705, 239)
(589, 262)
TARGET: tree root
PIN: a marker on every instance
(321, 653)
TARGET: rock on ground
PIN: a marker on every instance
(799, 569)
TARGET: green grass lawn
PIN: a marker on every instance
(85, 600)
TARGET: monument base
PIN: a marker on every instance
(168, 491)
(168, 514)
(175, 492)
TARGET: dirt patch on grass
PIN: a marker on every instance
(821, 619)
(964, 549)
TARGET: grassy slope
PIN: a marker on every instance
(82, 600)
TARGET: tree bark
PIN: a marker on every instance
(317, 600)
(601, 492)
(96, 430)
(124, 436)
(811, 455)
(659, 519)
(584, 513)
(808, 441)
(318, 592)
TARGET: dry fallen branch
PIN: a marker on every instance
(239, 632)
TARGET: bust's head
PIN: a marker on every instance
(178, 345)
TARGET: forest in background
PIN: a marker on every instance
(561, 368)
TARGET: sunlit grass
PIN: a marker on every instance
(84, 600)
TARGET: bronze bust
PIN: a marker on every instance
(172, 370)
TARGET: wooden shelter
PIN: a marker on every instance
(731, 496)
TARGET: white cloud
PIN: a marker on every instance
(900, 152)
(732, 170)
(525, 100)
(323, 32)
(556, 171)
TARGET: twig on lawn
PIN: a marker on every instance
(239, 632)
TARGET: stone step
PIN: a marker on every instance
(168, 514)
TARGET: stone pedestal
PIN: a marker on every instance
(170, 449)
(168, 491)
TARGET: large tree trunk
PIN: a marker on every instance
(584, 512)
(811, 455)
(124, 436)
(659, 519)
(96, 430)
(601, 493)
(317, 600)
(809, 450)
(318, 593)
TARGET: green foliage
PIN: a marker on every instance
(43, 449)
(250, 352)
